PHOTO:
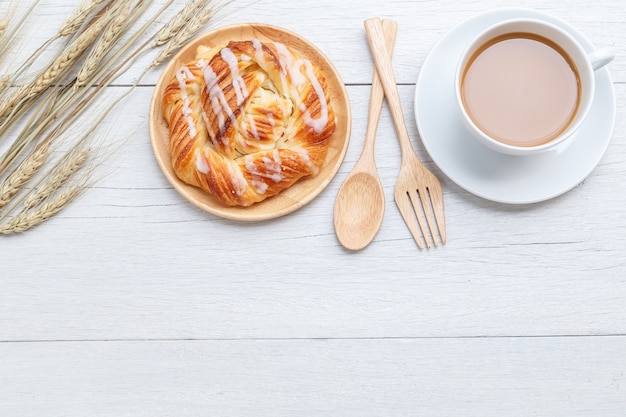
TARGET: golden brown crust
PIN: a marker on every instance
(247, 121)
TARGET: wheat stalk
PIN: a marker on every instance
(28, 219)
(59, 177)
(12, 25)
(24, 172)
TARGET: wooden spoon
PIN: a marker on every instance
(360, 202)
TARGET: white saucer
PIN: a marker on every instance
(489, 174)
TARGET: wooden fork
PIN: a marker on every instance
(418, 192)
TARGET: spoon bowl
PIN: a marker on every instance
(359, 209)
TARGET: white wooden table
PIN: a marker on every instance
(133, 302)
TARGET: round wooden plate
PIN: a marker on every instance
(301, 192)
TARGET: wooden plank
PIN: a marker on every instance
(554, 376)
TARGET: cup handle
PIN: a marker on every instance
(600, 57)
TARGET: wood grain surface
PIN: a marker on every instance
(134, 302)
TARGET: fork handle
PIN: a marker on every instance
(376, 39)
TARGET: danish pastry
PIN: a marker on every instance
(248, 120)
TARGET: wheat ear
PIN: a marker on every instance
(177, 22)
(28, 219)
(59, 177)
(68, 58)
(71, 25)
(53, 71)
(5, 81)
(103, 45)
(183, 36)
(58, 68)
(24, 172)
(78, 17)
(4, 23)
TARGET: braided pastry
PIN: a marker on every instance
(247, 121)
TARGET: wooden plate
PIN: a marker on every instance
(301, 192)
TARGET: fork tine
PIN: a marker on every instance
(436, 199)
(420, 210)
(403, 202)
(426, 197)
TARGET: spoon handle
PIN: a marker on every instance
(390, 27)
(375, 36)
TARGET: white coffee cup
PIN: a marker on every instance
(584, 64)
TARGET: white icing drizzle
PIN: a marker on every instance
(285, 61)
(257, 182)
(290, 67)
(259, 186)
(210, 130)
(219, 104)
(272, 171)
(201, 163)
(238, 83)
(245, 57)
(253, 128)
(273, 167)
(294, 71)
(238, 180)
(306, 160)
(318, 124)
(182, 75)
(258, 53)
